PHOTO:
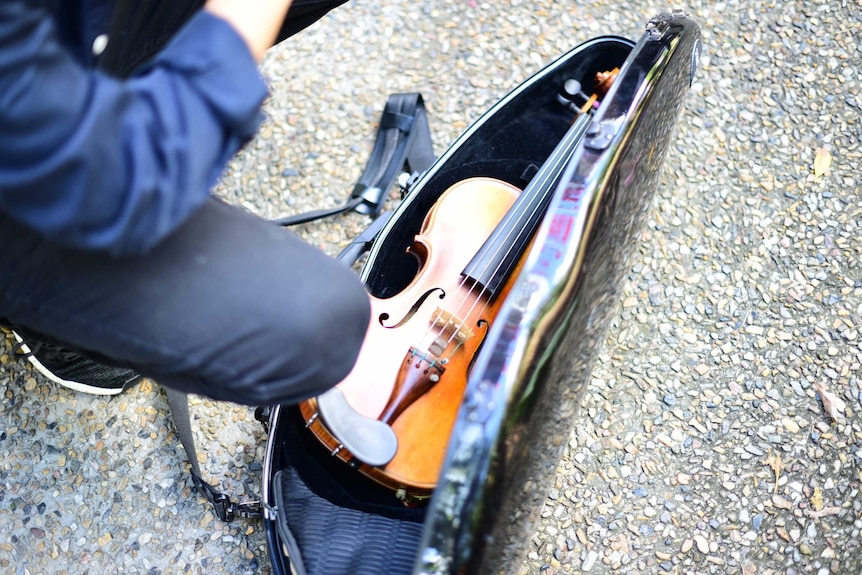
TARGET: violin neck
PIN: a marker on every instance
(501, 252)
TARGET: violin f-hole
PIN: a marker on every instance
(413, 309)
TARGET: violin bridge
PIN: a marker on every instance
(452, 326)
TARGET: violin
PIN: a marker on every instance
(391, 417)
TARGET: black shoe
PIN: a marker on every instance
(73, 370)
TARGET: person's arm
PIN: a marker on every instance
(256, 21)
(98, 163)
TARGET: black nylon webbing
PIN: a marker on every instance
(403, 139)
(225, 509)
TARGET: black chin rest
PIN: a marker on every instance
(371, 441)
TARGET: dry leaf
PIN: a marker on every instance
(774, 461)
(833, 404)
(822, 161)
(817, 499)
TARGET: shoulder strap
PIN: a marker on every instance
(403, 139)
(225, 509)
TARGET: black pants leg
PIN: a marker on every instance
(229, 306)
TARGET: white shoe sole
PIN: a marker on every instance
(73, 385)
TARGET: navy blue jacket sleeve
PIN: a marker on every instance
(100, 163)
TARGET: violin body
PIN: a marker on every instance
(416, 357)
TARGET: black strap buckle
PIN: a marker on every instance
(406, 181)
(225, 509)
(249, 509)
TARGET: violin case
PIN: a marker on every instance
(525, 384)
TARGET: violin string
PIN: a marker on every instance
(520, 219)
(522, 231)
(470, 296)
(473, 298)
(558, 156)
(436, 330)
(437, 326)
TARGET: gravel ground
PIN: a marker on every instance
(721, 432)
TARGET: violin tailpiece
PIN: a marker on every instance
(419, 373)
